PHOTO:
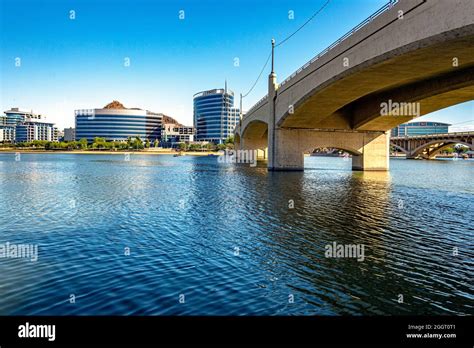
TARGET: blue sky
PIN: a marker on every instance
(71, 64)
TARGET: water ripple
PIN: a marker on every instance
(131, 237)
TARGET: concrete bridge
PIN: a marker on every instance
(428, 146)
(410, 58)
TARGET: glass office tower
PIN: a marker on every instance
(214, 115)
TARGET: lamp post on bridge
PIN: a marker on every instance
(273, 54)
(272, 95)
(241, 113)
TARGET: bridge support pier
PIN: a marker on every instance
(370, 150)
(374, 153)
(258, 147)
(286, 146)
(285, 153)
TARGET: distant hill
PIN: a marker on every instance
(118, 105)
(169, 119)
(115, 105)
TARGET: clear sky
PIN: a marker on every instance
(69, 64)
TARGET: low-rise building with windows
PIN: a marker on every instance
(69, 134)
(419, 128)
(24, 126)
(7, 134)
(173, 134)
(30, 131)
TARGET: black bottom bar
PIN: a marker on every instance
(291, 331)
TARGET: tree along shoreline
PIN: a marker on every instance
(101, 145)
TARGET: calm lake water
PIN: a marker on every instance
(225, 237)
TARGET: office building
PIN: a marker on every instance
(173, 134)
(32, 130)
(69, 134)
(214, 115)
(116, 123)
(419, 128)
(21, 125)
(7, 134)
(15, 116)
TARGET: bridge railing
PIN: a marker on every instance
(369, 19)
(257, 104)
(366, 21)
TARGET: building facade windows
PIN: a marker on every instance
(117, 124)
(419, 128)
(25, 126)
(214, 115)
(173, 134)
(30, 131)
(7, 134)
(69, 134)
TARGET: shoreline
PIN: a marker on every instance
(183, 153)
(82, 152)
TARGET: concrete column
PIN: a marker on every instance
(237, 142)
(272, 94)
(375, 154)
(288, 154)
(410, 148)
(370, 149)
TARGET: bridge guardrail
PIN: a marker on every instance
(257, 104)
(369, 19)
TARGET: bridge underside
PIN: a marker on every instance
(436, 76)
(256, 138)
(370, 150)
(398, 70)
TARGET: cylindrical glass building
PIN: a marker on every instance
(214, 115)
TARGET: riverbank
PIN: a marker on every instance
(98, 152)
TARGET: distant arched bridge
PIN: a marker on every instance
(428, 146)
(418, 53)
